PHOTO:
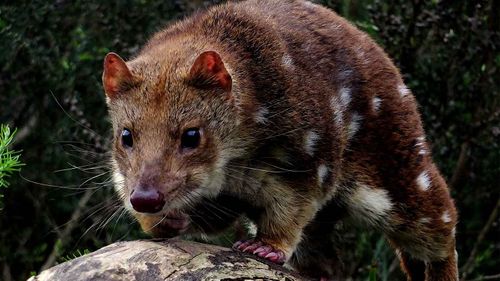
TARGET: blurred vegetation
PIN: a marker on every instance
(62, 204)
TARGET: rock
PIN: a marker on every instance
(173, 259)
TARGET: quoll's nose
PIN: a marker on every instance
(147, 200)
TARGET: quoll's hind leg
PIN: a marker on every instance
(428, 234)
(413, 268)
(418, 218)
(417, 270)
(442, 267)
(316, 255)
(444, 270)
(429, 241)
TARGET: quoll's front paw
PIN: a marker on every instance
(261, 249)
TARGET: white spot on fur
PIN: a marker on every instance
(424, 220)
(421, 144)
(338, 115)
(370, 205)
(322, 173)
(423, 181)
(287, 61)
(446, 217)
(354, 125)
(339, 104)
(403, 90)
(309, 4)
(376, 103)
(454, 232)
(260, 115)
(251, 228)
(345, 97)
(398, 253)
(310, 140)
(360, 52)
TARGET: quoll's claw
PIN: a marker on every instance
(277, 257)
(252, 247)
(260, 249)
(242, 244)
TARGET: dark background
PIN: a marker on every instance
(61, 204)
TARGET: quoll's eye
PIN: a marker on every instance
(127, 140)
(191, 138)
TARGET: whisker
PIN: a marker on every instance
(69, 187)
(285, 169)
(71, 117)
(82, 168)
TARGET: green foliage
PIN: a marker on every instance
(50, 71)
(78, 253)
(9, 159)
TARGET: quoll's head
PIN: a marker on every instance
(175, 128)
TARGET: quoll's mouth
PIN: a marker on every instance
(176, 220)
(164, 224)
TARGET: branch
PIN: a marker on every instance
(459, 171)
(487, 277)
(170, 260)
(65, 234)
(469, 265)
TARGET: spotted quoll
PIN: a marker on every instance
(285, 112)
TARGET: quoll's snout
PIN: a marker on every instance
(154, 188)
(147, 200)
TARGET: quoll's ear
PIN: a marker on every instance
(208, 71)
(116, 76)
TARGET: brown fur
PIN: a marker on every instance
(315, 115)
